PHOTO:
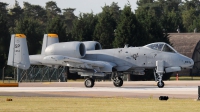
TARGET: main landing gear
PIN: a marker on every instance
(89, 82)
(117, 80)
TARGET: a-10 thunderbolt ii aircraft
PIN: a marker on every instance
(88, 59)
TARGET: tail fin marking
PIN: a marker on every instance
(18, 53)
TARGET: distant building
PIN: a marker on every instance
(188, 44)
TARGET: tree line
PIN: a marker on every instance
(113, 27)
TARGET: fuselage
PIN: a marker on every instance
(130, 58)
(138, 57)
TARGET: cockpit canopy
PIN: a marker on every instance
(161, 46)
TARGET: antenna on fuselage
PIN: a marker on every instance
(126, 46)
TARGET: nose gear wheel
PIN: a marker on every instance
(160, 84)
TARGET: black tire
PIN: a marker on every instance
(161, 84)
(118, 82)
(93, 80)
(89, 82)
(160, 98)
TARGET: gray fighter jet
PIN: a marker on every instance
(88, 59)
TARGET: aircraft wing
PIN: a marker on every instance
(102, 66)
(35, 62)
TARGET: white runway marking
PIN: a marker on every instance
(172, 90)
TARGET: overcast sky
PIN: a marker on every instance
(85, 6)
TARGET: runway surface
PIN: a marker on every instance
(138, 89)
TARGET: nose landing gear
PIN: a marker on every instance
(160, 84)
(158, 73)
(158, 77)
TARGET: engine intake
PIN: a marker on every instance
(71, 49)
(92, 45)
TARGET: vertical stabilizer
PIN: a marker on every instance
(18, 53)
(48, 40)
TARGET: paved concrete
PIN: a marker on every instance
(137, 89)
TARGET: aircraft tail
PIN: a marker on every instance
(18, 53)
(48, 40)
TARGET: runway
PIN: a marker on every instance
(138, 89)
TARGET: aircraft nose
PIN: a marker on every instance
(187, 62)
(192, 62)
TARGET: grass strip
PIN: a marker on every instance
(115, 104)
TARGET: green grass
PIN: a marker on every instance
(116, 104)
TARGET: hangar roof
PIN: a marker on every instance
(184, 43)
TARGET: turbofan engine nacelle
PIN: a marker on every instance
(92, 45)
(71, 49)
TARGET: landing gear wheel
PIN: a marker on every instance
(161, 84)
(118, 82)
(89, 82)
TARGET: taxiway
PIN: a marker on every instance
(138, 89)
